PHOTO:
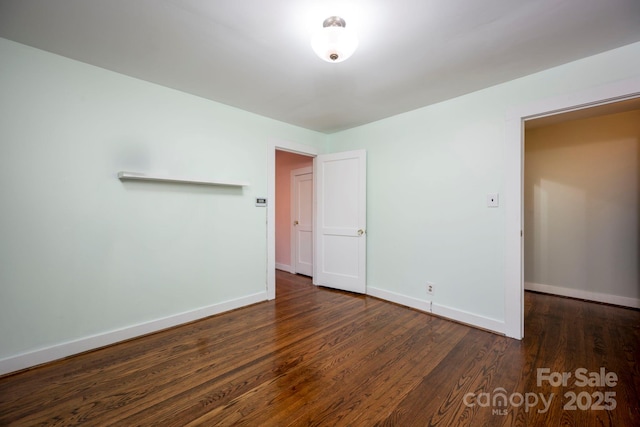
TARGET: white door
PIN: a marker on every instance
(341, 240)
(302, 220)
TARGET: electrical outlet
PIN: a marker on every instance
(430, 288)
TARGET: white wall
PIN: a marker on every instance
(582, 190)
(429, 172)
(83, 254)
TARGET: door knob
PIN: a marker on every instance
(361, 232)
(295, 223)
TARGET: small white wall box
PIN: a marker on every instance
(261, 202)
(492, 200)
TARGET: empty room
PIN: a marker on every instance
(317, 212)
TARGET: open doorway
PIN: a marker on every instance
(273, 147)
(581, 199)
(339, 211)
(514, 183)
(294, 208)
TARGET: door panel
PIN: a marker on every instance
(341, 182)
(339, 252)
(341, 221)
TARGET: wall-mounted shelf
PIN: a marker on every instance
(133, 176)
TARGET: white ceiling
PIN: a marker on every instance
(255, 54)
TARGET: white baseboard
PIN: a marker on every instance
(469, 318)
(439, 310)
(59, 351)
(284, 267)
(581, 294)
(418, 304)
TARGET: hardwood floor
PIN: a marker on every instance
(321, 357)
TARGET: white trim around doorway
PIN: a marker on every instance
(272, 146)
(514, 183)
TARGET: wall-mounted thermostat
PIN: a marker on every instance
(261, 202)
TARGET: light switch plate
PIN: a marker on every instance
(492, 200)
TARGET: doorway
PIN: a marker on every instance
(581, 191)
(273, 147)
(294, 207)
(340, 238)
(514, 176)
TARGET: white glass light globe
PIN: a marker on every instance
(334, 44)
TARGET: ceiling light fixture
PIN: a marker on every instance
(334, 42)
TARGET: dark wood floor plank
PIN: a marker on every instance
(383, 365)
(316, 356)
(288, 360)
(320, 362)
(248, 357)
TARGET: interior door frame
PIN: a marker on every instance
(272, 146)
(308, 170)
(514, 183)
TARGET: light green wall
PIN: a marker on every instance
(582, 190)
(82, 253)
(429, 171)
